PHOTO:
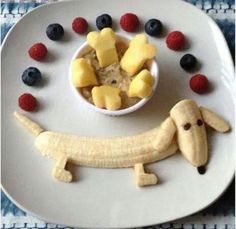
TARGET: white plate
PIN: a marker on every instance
(108, 197)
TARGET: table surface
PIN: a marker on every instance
(221, 214)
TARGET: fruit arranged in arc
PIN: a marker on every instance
(38, 51)
(55, 31)
(27, 102)
(175, 40)
(199, 83)
(31, 76)
(129, 22)
(188, 62)
(103, 21)
(153, 27)
(80, 25)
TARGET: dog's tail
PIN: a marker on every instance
(31, 126)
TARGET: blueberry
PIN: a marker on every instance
(188, 62)
(55, 32)
(153, 27)
(103, 21)
(31, 76)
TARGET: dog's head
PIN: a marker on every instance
(191, 132)
(190, 123)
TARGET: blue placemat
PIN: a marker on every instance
(220, 215)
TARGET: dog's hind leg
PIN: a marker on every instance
(142, 178)
(59, 172)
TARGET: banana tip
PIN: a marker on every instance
(16, 114)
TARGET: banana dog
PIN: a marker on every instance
(183, 129)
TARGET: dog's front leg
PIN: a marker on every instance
(59, 172)
(142, 178)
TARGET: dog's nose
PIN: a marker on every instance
(201, 169)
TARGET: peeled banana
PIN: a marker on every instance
(186, 122)
(117, 152)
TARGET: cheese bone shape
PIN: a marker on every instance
(83, 74)
(137, 54)
(141, 85)
(106, 97)
(104, 44)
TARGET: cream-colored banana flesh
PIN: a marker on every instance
(117, 152)
(191, 136)
(31, 126)
(214, 120)
(142, 178)
(186, 120)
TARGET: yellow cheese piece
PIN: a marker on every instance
(106, 97)
(141, 85)
(82, 73)
(137, 54)
(104, 44)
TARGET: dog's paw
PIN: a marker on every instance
(62, 174)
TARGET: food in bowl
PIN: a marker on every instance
(117, 64)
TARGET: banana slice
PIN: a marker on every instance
(214, 120)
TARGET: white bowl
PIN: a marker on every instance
(154, 70)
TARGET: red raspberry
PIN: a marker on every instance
(175, 40)
(129, 22)
(27, 102)
(199, 83)
(38, 51)
(80, 25)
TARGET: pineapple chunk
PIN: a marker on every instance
(141, 85)
(82, 73)
(104, 44)
(106, 97)
(137, 54)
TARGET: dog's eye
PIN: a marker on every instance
(199, 122)
(187, 126)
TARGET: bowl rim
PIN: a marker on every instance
(154, 69)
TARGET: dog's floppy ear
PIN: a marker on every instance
(214, 120)
(166, 134)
